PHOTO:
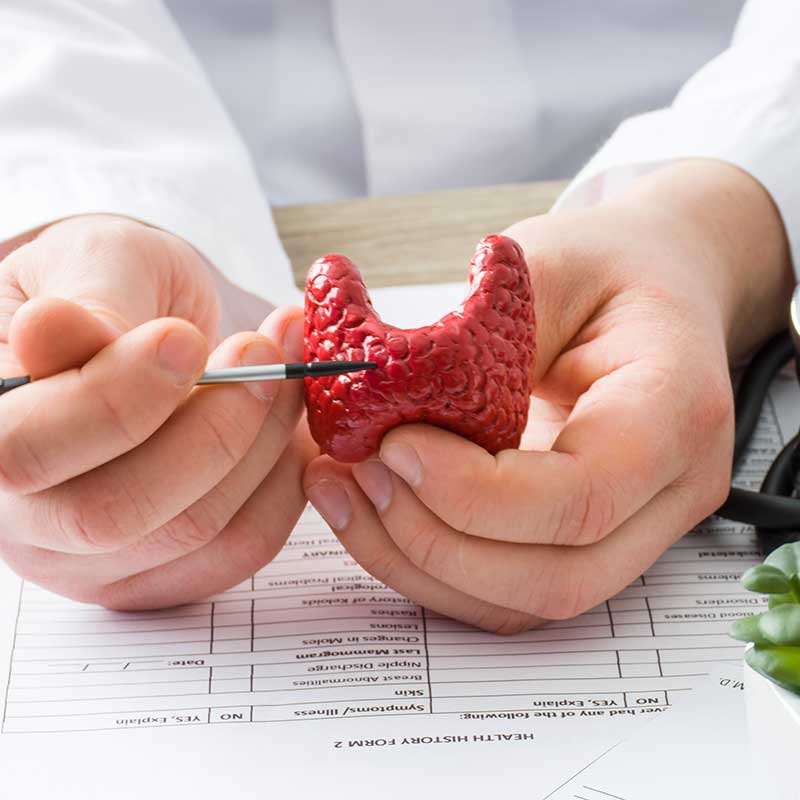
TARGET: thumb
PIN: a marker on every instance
(570, 281)
(49, 335)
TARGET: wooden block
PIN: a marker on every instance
(421, 238)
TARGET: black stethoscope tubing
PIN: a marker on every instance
(773, 509)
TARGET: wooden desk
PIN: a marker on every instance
(421, 238)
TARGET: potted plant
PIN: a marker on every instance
(772, 675)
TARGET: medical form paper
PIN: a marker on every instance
(705, 743)
(313, 679)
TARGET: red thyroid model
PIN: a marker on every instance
(470, 372)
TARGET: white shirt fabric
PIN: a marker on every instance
(110, 105)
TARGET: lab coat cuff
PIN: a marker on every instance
(648, 142)
(244, 251)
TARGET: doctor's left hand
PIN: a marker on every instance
(122, 483)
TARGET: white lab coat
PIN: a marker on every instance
(104, 106)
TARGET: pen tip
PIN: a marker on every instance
(322, 368)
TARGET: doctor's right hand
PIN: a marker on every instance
(120, 482)
(641, 301)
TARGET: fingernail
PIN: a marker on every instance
(293, 341)
(403, 459)
(254, 354)
(182, 354)
(331, 500)
(376, 482)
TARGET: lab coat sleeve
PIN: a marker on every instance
(103, 108)
(743, 107)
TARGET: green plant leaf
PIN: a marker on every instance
(776, 600)
(780, 664)
(781, 625)
(747, 629)
(766, 579)
(786, 558)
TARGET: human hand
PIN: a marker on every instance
(120, 482)
(640, 304)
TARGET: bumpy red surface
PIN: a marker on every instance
(470, 372)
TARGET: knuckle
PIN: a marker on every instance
(101, 596)
(284, 421)
(383, 565)
(78, 589)
(422, 550)
(470, 507)
(482, 489)
(505, 621)
(599, 507)
(78, 530)
(101, 236)
(704, 491)
(564, 604)
(713, 408)
(190, 530)
(587, 513)
(93, 238)
(23, 472)
(229, 436)
(104, 519)
(259, 547)
(720, 486)
(15, 269)
(711, 426)
(187, 279)
(567, 600)
(143, 591)
(128, 428)
(551, 595)
(116, 596)
(180, 255)
(720, 489)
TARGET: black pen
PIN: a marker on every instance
(264, 372)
